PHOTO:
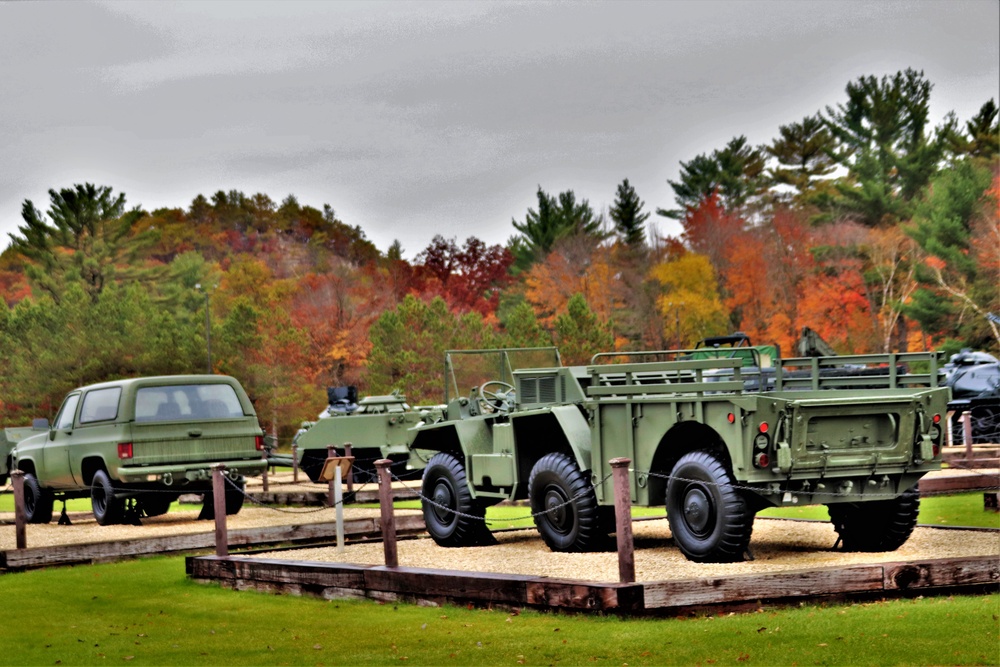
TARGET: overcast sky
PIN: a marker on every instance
(413, 119)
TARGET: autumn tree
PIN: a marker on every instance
(577, 265)
(468, 278)
(689, 304)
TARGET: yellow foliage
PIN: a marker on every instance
(690, 303)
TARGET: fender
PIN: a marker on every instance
(575, 427)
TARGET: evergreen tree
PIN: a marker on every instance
(803, 154)
(580, 334)
(983, 132)
(628, 215)
(883, 141)
(735, 172)
(91, 240)
(556, 218)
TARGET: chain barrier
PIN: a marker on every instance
(264, 505)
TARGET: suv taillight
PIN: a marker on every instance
(124, 450)
(259, 443)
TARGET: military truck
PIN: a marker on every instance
(702, 443)
(134, 446)
(376, 427)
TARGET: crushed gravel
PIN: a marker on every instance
(776, 545)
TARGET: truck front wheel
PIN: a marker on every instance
(37, 501)
(107, 509)
(880, 525)
(452, 516)
(565, 506)
(710, 520)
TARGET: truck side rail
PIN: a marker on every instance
(665, 377)
(883, 371)
(683, 355)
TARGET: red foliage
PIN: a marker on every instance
(468, 278)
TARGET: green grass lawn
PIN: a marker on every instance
(146, 612)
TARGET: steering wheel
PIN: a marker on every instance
(494, 396)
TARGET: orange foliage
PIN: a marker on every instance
(573, 268)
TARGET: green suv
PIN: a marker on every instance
(133, 446)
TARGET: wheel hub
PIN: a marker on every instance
(444, 500)
(697, 510)
(557, 510)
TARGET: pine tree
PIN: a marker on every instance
(628, 215)
(735, 172)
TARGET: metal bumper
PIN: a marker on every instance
(183, 473)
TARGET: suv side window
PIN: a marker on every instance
(100, 405)
(67, 412)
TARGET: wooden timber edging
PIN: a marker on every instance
(302, 534)
(428, 586)
(977, 480)
(319, 497)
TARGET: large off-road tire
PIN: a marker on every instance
(454, 518)
(156, 503)
(565, 506)
(107, 509)
(879, 525)
(37, 501)
(711, 522)
(235, 496)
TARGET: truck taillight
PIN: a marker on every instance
(124, 450)
(258, 441)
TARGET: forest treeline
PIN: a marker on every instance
(866, 222)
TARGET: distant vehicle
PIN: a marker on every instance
(375, 427)
(9, 437)
(133, 446)
(974, 378)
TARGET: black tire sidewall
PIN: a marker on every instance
(579, 525)
(703, 471)
(108, 514)
(37, 502)
(446, 470)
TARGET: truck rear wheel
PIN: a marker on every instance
(37, 501)
(710, 520)
(452, 516)
(235, 496)
(107, 509)
(880, 525)
(565, 506)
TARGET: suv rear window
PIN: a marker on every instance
(187, 402)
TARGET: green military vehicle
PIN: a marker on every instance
(707, 440)
(376, 427)
(134, 446)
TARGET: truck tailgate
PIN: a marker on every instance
(873, 428)
(194, 442)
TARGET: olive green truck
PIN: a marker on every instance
(715, 440)
(134, 446)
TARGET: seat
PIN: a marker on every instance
(167, 412)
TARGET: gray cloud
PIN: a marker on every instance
(413, 119)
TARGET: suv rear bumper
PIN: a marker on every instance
(184, 473)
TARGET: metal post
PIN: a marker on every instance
(967, 435)
(623, 520)
(388, 520)
(219, 499)
(263, 477)
(350, 473)
(295, 464)
(338, 499)
(17, 479)
(331, 452)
